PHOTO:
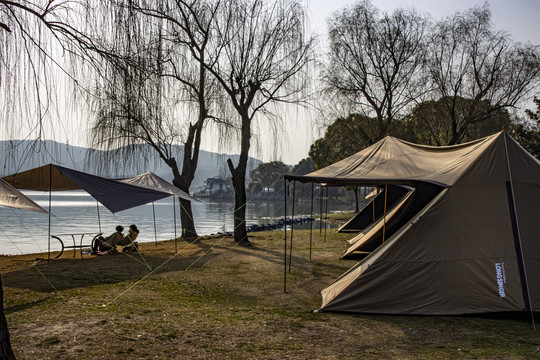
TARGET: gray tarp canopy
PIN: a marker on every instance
(472, 248)
(113, 194)
(152, 181)
(11, 197)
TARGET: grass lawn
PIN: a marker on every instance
(216, 300)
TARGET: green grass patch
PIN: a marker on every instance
(218, 300)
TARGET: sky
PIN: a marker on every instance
(519, 18)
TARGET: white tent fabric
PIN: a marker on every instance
(11, 197)
(152, 181)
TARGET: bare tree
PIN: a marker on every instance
(38, 41)
(477, 72)
(260, 61)
(164, 46)
(376, 61)
(32, 34)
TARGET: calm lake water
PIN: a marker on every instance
(24, 232)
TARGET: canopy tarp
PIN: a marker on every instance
(152, 181)
(11, 197)
(114, 195)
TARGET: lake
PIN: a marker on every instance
(25, 232)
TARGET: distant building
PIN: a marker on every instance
(216, 186)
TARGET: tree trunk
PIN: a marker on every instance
(5, 344)
(356, 197)
(183, 182)
(240, 200)
(186, 217)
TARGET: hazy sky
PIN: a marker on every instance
(519, 18)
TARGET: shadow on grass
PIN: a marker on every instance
(59, 274)
(19, 307)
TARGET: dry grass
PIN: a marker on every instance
(216, 300)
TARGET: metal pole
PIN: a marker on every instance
(311, 224)
(326, 216)
(285, 235)
(384, 220)
(517, 238)
(50, 195)
(174, 214)
(292, 224)
(155, 230)
(321, 209)
(98, 217)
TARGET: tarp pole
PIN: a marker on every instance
(155, 229)
(384, 223)
(321, 209)
(285, 234)
(98, 217)
(174, 214)
(311, 223)
(326, 215)
(373, 203)
(292, 223)
(517, 238)
(50, 196)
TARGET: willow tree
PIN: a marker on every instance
(38, 40)
(261, 61)
(376, 62)
(157, 91)
(477, 73)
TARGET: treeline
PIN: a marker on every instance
(179, 71)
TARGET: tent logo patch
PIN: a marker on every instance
(501, 278)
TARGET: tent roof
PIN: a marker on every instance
(11, 197)
(114, 195)
(152, 181)
(392, 160)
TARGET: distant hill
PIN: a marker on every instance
(21, 155)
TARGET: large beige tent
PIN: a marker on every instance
(471, 245)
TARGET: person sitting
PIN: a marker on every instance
(128, 241)
(104, 244)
